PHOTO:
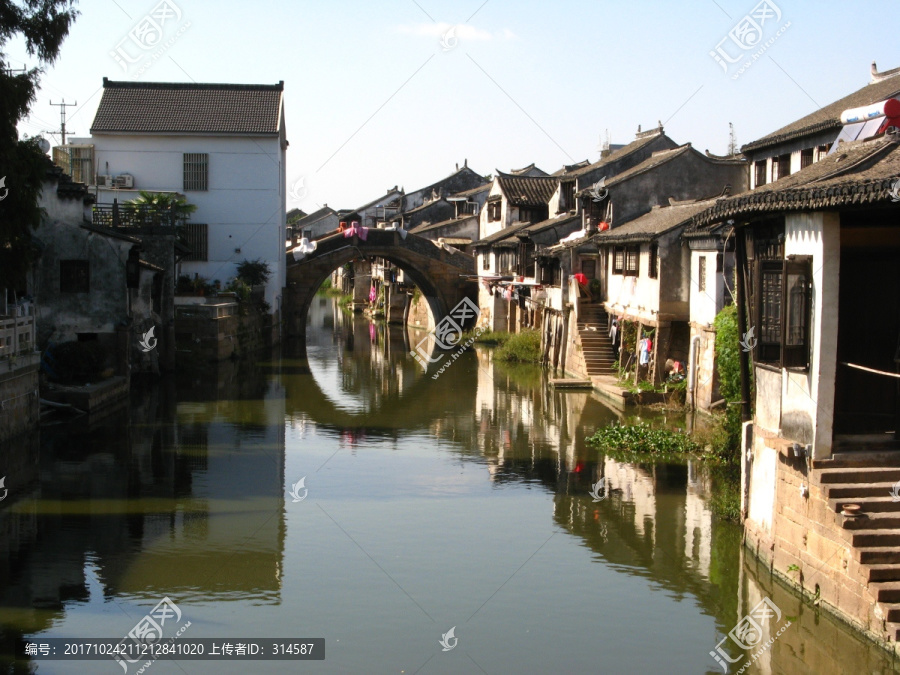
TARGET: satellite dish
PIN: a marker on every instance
(44, 145)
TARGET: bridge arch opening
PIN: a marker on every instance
(443, 276)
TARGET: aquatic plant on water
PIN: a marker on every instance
(642, 439)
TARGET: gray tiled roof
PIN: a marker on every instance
(473, 191)
(184, 107)
(428, 227)
(314, 217)
(859, 174)
(829, 117)
(634, 146)
(527, 190)
(502, 234)
(534, 228)
(659, 221)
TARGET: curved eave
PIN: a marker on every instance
(866, 193)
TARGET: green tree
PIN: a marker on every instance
(42, 25)
(165, 200)
(728, 356)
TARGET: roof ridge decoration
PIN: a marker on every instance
(138, 84)
(884, 75)
(650, 132)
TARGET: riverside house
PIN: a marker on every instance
(818, 270)
(220, 145)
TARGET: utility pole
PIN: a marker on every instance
(62, 116)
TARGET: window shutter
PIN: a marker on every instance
(769, 313)
(796, 307)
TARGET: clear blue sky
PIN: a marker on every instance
(374, 99)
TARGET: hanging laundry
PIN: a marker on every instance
(373, 294)
(356, 230)
(304, 248)
(646, 346)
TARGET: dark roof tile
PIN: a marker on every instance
(180, 107)
(829, 116)
(527, 190)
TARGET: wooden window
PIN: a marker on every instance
(494, 211)
(486, 260)
(760, 168)
(701, 274)
(196, 171)
(632, 260)
(797, 278)
(74, 276)
(781, 167)
(769, 298)
(806, 158)
(654, 261)
(618, 260)
(567, 196)
(506, 262)
(823, 151)
(525, 262)
(550, 272)
(720, 263)
(783, 311)
(196, 237)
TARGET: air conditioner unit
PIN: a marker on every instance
(126, 180)
(104, 181)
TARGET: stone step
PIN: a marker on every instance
(886, 591)
(875, 538)
(883, 572)
(868, 474)
(879, 555)
(885, 504)
(851, 490)
(873, 521)
(860, 459)
(891, 611)
(893, 631)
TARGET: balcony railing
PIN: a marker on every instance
(133, 216)
(16, 335)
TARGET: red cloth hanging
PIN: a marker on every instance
(580, 278)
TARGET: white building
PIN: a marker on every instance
(220, 145)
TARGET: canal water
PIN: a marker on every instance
(350, 496)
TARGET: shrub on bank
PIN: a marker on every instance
(524, 347)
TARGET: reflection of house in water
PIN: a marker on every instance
(154, 499)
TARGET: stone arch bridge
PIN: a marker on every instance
(438, 272)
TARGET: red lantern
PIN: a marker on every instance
(603, 226)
